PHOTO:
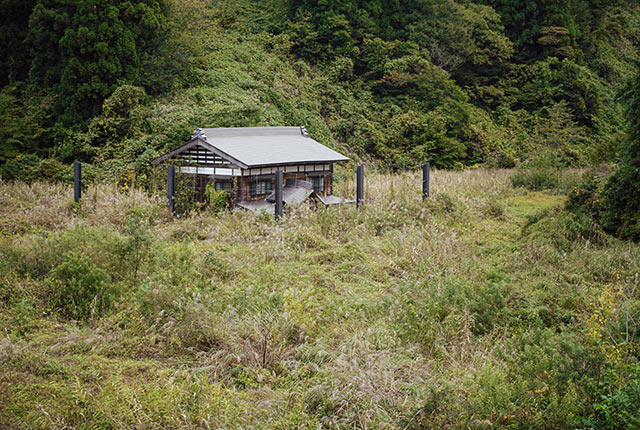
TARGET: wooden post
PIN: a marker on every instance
(171, 188)
(330, 180)
(278, 212)
(77, 181)
(425, 181)
(359, 186)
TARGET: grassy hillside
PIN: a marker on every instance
(487, 306)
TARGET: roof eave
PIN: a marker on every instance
(204, 144)
(291, 163)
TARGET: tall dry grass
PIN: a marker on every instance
(47, 205)
(455, 311)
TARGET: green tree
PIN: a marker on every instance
(462, 37)
(414, 137)
(84, 49)
(539, 85)
(22, 124)
(525, 22)
(121, 117)
(622, 191)
(557, 132)
(14, 25)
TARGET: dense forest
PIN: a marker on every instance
(458, 83)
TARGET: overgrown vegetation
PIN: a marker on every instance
(487, 306)
(622, 191)
(455, 83)
(614, 201)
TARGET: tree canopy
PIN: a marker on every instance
(622, 191)
(452, 82)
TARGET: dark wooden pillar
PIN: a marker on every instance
(171, 187)
(278, 211)
(425, 180)
(330, 179)
(77, 181)
(359, 186)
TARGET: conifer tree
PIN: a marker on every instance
(85, 49)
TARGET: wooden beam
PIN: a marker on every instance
(199, 142)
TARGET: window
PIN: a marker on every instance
(317, 182)
(224, 186)
(261, 187)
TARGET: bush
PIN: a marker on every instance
(564, 229)
(536, 178)
(587, 197)
(621, 195)
(53, 170)
(545, 369)
(79, 288)
(495, 209)
(617, 204)
(622, 191)
(506, 161)
(134, 247)
(618, 399)
(25, 167)
(448, 307)
(217, 199)
(443, 202)
(29, 167)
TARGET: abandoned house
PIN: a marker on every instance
(243, 161)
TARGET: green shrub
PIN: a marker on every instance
(217, 199)
(134, 247)
(428, 311)
(443, 202)
(621, 193)
(35, 256)
(220, 200)
(581, 227)
(80, 289)
(563, 229)
(30, 167)
(536, 178)
(545, 369)
(587, 197)
(506, 161)
(495, 209)
(53, 170)
(24, 167)
(617, 399)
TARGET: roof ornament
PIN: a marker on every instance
(303, 130)
(199, 133)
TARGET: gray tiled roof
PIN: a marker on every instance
(258, 206)
(294, 192)
(332, 200)
(263, 146)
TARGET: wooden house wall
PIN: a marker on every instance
(244, 184)
(242, 192)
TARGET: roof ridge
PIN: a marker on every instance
(252, 131)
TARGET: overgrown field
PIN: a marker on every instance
(486, 306)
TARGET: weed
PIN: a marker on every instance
(536, 179)
(79, 289)
(406, 313)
